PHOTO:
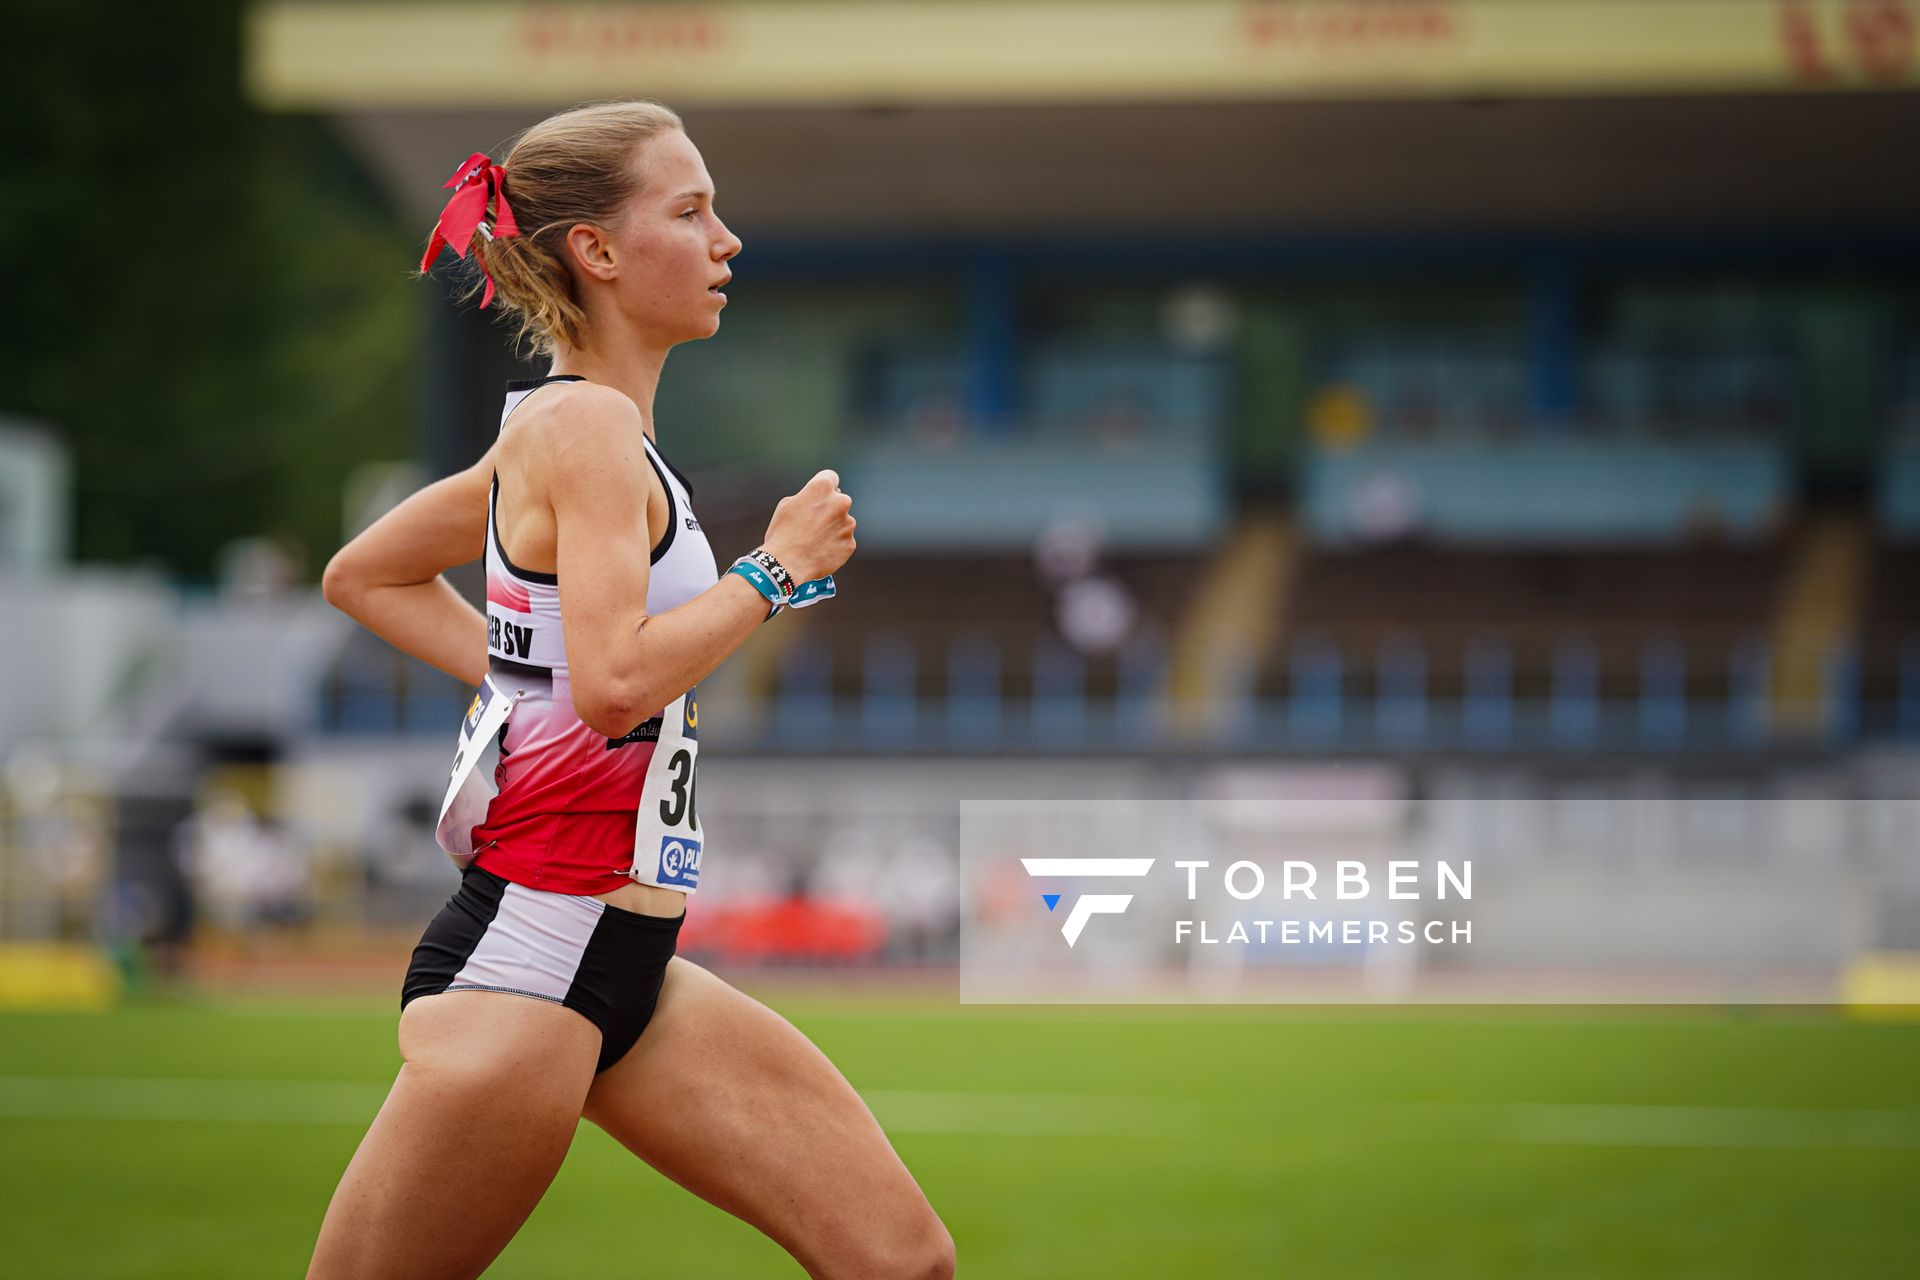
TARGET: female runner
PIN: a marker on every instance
(547, 990)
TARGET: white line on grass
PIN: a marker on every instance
(189, 1098)
(1607, 1125)
(335, 1102)
(203, 1100)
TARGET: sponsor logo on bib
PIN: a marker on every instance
(679, 861)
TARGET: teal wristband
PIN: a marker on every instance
(763, 583)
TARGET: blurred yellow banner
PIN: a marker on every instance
(56, 975)
(872, 52)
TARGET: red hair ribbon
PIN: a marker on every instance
(477, 181)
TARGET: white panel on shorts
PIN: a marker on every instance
(533, 944)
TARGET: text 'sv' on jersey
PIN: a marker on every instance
(576, 811)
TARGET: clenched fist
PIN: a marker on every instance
(812, 531)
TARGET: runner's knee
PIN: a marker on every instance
(923, 1251)
(937, 1259)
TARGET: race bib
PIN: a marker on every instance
(470, 789)
(667, 836)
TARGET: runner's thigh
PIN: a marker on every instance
(731, 1101)
(476, 1125)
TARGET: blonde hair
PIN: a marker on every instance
(570, 168)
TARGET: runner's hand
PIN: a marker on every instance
(812, 531)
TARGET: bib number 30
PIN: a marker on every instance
(667, 836)
(677, 808)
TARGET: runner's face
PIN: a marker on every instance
(679, 242)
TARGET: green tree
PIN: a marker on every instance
(208, 303)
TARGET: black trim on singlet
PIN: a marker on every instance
(528, 384)
(497, 665)
(673, 510)
(493, 494)
(652, 451)
(493, 523)
(676, 471)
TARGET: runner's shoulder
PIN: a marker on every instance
(575, 430)
(561, 415)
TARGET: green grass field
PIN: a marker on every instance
(203, 1140)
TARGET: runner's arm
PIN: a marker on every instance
(626, 665)
(388, 578)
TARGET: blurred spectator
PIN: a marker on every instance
(263, 568)
(1385, 508)
(919, 889)
(1096, 613)
(1068, 548)
(1199, 318)
(245, 873)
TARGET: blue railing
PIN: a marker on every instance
(1321, 709)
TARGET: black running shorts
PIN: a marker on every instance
(573, 949)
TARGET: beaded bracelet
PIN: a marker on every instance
(777, 571)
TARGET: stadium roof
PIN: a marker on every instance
(1009, 117)
(945, 52)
